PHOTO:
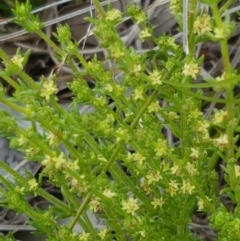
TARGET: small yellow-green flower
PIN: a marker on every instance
(84, 236)
(219, 117)
(191, 169)
(22, 140)
(114, 14)
(63, 33)
(137, 68)
(237, 170)
(48, 161)
(146, 188)
(18, 60)
(175, 6)
(144, 34)
(58, 162)
(157, 202)
(73, 165)
(155, 78)
(53, 139)
(110, 118)
(137, 13)
(122, 134)
(31, 151)
(172, 115)
(202, 25)
(154, 107)
(222, 32)
(130, 205)
(187, 187)
(33, 185)
(48, 88)
(94, 204)
(21, 190)
(191, 69)
(108, 193)
(108, 88)
(101, 158)
(202, 126)
(175, 170)
(195, 114)
(142, 233)
(140, 17)
(194, 153)
(103, 233)
(77, 186)
(100, 101)
(138, 157)
(116, 51)
(161, 147)
(221, 141)
(200, 204)
(172, 188)
(138, 93)
(153, 176)
(171, 42)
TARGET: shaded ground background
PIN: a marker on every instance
(42, 62)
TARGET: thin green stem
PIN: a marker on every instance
(72, 150)
(44, 147)
(183, 130)
(11, 82)
(21, 73)
(223, 43)
(221, 83)
(229, 101)
(191, 36)
(69, 196)
(13, 106)
(99, 8)
(80, 210)
(119, 174)
(73, 174)
(51, 43)
(40, 192)
(27, 79)
(39, 143)
(226, 6)
(89, 225)
(5, 182)
(82, 60)
(54, 200)
(201, 97)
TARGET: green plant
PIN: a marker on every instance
(164, 183)
(7, 5)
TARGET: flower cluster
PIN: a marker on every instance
(48, 89)
(130, 205)
(191, 69)
(202, 25)
(58, 162)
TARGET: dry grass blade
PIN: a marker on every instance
(39, 10)
(156, 4)
(54, 21)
